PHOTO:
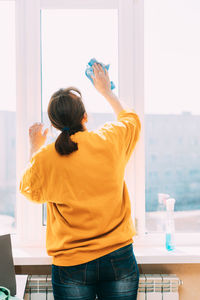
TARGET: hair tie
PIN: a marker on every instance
(65, 128)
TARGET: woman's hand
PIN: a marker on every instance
(36, 138)
(101, 80)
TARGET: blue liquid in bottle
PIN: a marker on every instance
(169, 242)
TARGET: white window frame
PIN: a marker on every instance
(30, 231)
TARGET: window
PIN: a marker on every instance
(7, 118)
(41, 48)
(156, 73)
(172, 110)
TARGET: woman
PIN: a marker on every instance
(81, 177)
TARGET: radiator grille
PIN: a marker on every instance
(158, 287)
(151, 287)
(39, 287)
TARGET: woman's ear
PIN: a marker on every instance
(85, 118)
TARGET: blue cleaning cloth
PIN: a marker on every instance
(89, 70)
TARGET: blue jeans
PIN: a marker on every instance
(112, 276)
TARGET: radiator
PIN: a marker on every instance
(151, 287)
(158, 287)
(39, 287)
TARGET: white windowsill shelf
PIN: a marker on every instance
(144, 255)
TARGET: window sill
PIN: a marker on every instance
(30, 256)
(144, 255)
(159, 255)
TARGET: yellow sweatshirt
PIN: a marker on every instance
(88, 205)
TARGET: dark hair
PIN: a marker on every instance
(66, 109)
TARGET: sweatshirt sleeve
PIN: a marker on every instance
(124, 132)
(31, 183)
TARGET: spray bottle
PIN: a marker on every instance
(170, 226)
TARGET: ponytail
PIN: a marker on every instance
(66, 109)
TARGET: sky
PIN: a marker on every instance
(172, 56)
(70, 38)
(7, 56)
(78, 36)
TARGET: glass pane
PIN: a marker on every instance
(172, 111)
(70, 38)
(7, 118)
